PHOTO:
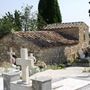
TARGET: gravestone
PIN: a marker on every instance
(24, 83)
(33, 69)
(20, 85)
(11, 74)
(9, 77)
(25, 63)
(12, 59)
(41, 83)
(87, 87)
(70, 84)
(32, 59)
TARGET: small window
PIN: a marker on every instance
(84, 37)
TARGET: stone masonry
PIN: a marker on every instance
(54, 44)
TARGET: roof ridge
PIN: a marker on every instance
(65, 25)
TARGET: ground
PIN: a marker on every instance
(71, 78)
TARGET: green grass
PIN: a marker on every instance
(55, 67)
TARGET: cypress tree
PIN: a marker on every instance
(17, 21)
(48, 12)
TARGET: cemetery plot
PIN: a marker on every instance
(69, 84)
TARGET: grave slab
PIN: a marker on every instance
(1, 83)
(20, 85)
(24, 83)
(9, 77)
(41, 83)
(69, 84)
(87, 87)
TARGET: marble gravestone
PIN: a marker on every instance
(24, 83)
(25, 63)
(12, 59)
(32, 59)
(41, 83)
(9, 77)
(33, 69)
(12, 74)
(70, 84)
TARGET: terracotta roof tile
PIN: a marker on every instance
(65, 25)
(46, 38)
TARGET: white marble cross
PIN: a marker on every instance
(25, 63)
(11, 57)
(32, 59)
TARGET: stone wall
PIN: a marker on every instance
(70, 33)
(55, 55)
(16, 43)
(83, 37)
(73, 32)
(71, 53)
(52, 55)
(49, 55)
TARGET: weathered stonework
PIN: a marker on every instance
(57, 43)
(52, 55)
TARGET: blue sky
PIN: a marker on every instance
(72, 10)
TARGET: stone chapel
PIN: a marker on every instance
(54, 44)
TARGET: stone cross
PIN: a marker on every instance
(32, 59)
(11, 57)
(25, 63)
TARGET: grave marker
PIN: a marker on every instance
(25, 63)
(12, 59)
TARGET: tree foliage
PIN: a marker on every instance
(48, 11)
(10, 22)
(89, 9)
(29, 21)
(6, 24)
(17, 21)
(20, 20)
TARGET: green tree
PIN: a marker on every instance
(25, 17)
(17, 21)
(48, 12)
(6, 24)
(29, 21)
(10, 22)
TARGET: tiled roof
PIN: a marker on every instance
(65, 25)
(46, 38)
